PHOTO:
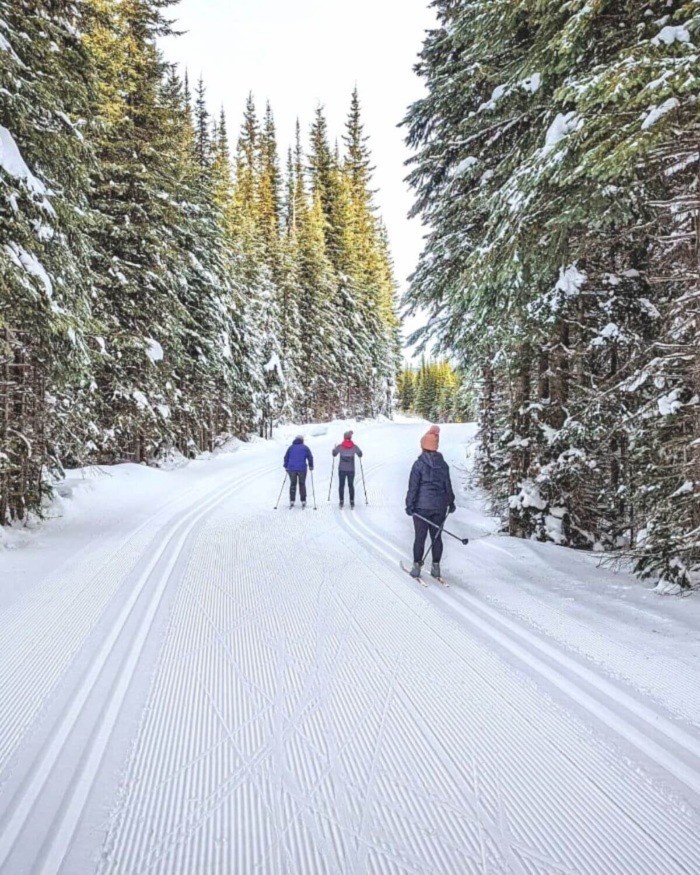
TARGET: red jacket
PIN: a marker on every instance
(347, 452)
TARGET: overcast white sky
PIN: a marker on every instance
(299, 53)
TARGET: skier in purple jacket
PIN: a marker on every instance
(297, 457)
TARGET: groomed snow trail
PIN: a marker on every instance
(237, 690)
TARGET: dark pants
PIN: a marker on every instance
(350, 477)
(295, 476)
(422, 528)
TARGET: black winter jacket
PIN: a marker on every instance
(429, 487)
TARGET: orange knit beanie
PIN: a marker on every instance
(431, 439)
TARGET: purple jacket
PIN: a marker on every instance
(297, 456)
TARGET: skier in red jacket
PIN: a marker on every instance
(346, 466)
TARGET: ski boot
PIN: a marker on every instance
(415, 571)
(435, 570)
(291, 505)
(352, 505)
(303, 505)
(340, 505)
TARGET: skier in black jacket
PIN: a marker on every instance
(430, 495)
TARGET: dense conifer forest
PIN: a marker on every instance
(434, 391)
(164, 282)
(557, 169)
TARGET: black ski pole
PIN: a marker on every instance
(281, 491)
(432, 540)
(313, 488)
(364, 486)
(330, 486)
(442, 528)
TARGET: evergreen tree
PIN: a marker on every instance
(202, 131)
(47, 328)
(325, 184)
(537, 173)
(269, 190)
(136, 261)
(153, 296)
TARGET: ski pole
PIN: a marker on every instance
(442, 528)
(281, 491)
(432, 540)
(313, 488)
(432, 543)
(364, 486)
(330, 485)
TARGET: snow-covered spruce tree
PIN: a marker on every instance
(535, 174)
(257, 203)
(406, 389)
(275, 344)
(289, 287)
(371, 267)
(434, 391)
(138, 262)
(320, 376)
(212, 365)
(45, 280)
(665, 433)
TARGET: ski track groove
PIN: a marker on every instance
(48, 615)
(682, 848)
(675, 734)
(596, 632)
(310, 711)
(311, 781)
(25, 798)
(586, 636)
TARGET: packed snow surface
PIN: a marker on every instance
(192, 682)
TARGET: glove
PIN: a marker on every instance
(451, 508)
(409, 511)
(311, 467)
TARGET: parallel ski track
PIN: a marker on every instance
(280, 763)
(666, 680)
(316, 721)
(235, 769)
(42, 635)
(672, 683)
(658, 740)
(173, 539)
(516, 638)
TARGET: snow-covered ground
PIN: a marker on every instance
(192, 682)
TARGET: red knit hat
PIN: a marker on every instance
(431, 439)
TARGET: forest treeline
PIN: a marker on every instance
(558, 169)
(435, 391)
(163, 284)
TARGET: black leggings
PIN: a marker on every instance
(422, 528)
(350, 477)
(293, 477)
